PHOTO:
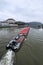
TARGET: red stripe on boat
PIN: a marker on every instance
(21, 39)
(25, 31)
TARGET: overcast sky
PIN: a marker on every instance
(24, 10)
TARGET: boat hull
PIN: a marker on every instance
(16, 43)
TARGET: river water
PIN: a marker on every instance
(31, 52)
(8, 58)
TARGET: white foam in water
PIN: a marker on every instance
(40, 29)
(25, 39)
(8, 59)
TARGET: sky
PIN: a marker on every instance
(24, 10)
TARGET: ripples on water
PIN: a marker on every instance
(32, 53)
(9, 58)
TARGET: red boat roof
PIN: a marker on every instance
(21, 39)
(25, 31)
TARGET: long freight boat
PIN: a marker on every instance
(15, 43)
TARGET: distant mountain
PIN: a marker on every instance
(42, 25)
(19, 22)
(34, 24)
(30, 24)
(23, 24)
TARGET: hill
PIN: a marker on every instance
(34, 24)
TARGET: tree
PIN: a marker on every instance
(42, 25)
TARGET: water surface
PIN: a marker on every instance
(31, 52)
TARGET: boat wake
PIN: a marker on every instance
(8, 59)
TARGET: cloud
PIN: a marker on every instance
(25, 10)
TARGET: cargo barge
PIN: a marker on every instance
(15, 43)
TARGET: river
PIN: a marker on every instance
(31, 52)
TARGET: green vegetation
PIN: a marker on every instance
(42, 25)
